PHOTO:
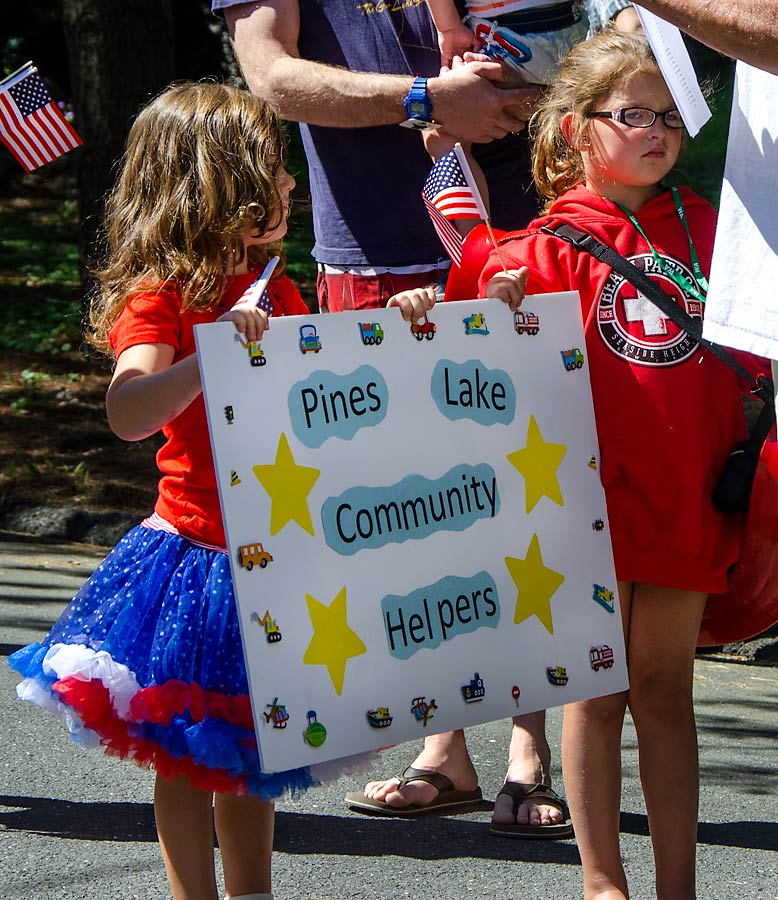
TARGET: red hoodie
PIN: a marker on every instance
(668, 412)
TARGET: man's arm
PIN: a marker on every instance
(743, 29)
(465, 101)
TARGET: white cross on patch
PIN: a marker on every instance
(641, 309)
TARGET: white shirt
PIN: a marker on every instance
(742, 306)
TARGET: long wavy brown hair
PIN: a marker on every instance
(589, 72)
(199, 169)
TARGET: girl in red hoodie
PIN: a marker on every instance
(668, 413)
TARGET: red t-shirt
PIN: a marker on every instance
(188, 496)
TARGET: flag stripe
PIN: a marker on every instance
(43, 136)
(449, 195)
(448, 234)
(63, 129)
(11, 137)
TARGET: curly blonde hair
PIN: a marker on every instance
(199, 169)
(589, 72)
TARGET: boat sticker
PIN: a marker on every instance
(557, 675)
(474, 690)
(380, 717)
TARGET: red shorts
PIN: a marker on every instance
(340, 291)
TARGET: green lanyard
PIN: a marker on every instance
(697, 290)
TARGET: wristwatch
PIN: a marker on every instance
(418, 106)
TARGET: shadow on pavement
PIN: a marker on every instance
(304, 833)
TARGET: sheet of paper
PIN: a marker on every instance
(674, 61)
(416, 525)
(742, 307)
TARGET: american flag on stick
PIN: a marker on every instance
(449, 194)
(31, 125)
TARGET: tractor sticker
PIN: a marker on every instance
(601, 657)
(371, 333)
(272, 631)
(525, 322)
(604, 597)
(309, 339)
(475, 324)
(474, 690)
(256, 354)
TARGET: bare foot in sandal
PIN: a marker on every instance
(521, 811)
(443, 753)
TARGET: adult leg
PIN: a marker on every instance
(184, 818)
(591, 764)
(529, 762)
(244, 826)
(665, 624)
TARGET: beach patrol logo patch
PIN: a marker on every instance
(634, 328)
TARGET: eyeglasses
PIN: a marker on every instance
(640, 117)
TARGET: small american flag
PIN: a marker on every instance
(448, 194)
(31, 125)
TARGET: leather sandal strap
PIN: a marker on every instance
(519, 791)
(436, 779)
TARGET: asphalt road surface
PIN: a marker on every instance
(76, 825)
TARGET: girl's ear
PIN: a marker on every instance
(566, 125)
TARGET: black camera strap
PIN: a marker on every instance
(762, 386)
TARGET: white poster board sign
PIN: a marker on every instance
(415, 520)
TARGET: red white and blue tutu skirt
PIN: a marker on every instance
(146, 662)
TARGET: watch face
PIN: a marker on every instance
(417, 108)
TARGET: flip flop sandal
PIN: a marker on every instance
(448, 796)
(547, 796)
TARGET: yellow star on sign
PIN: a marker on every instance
(538, 463)
(333, 641)
(288, 486)
(537, 584)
